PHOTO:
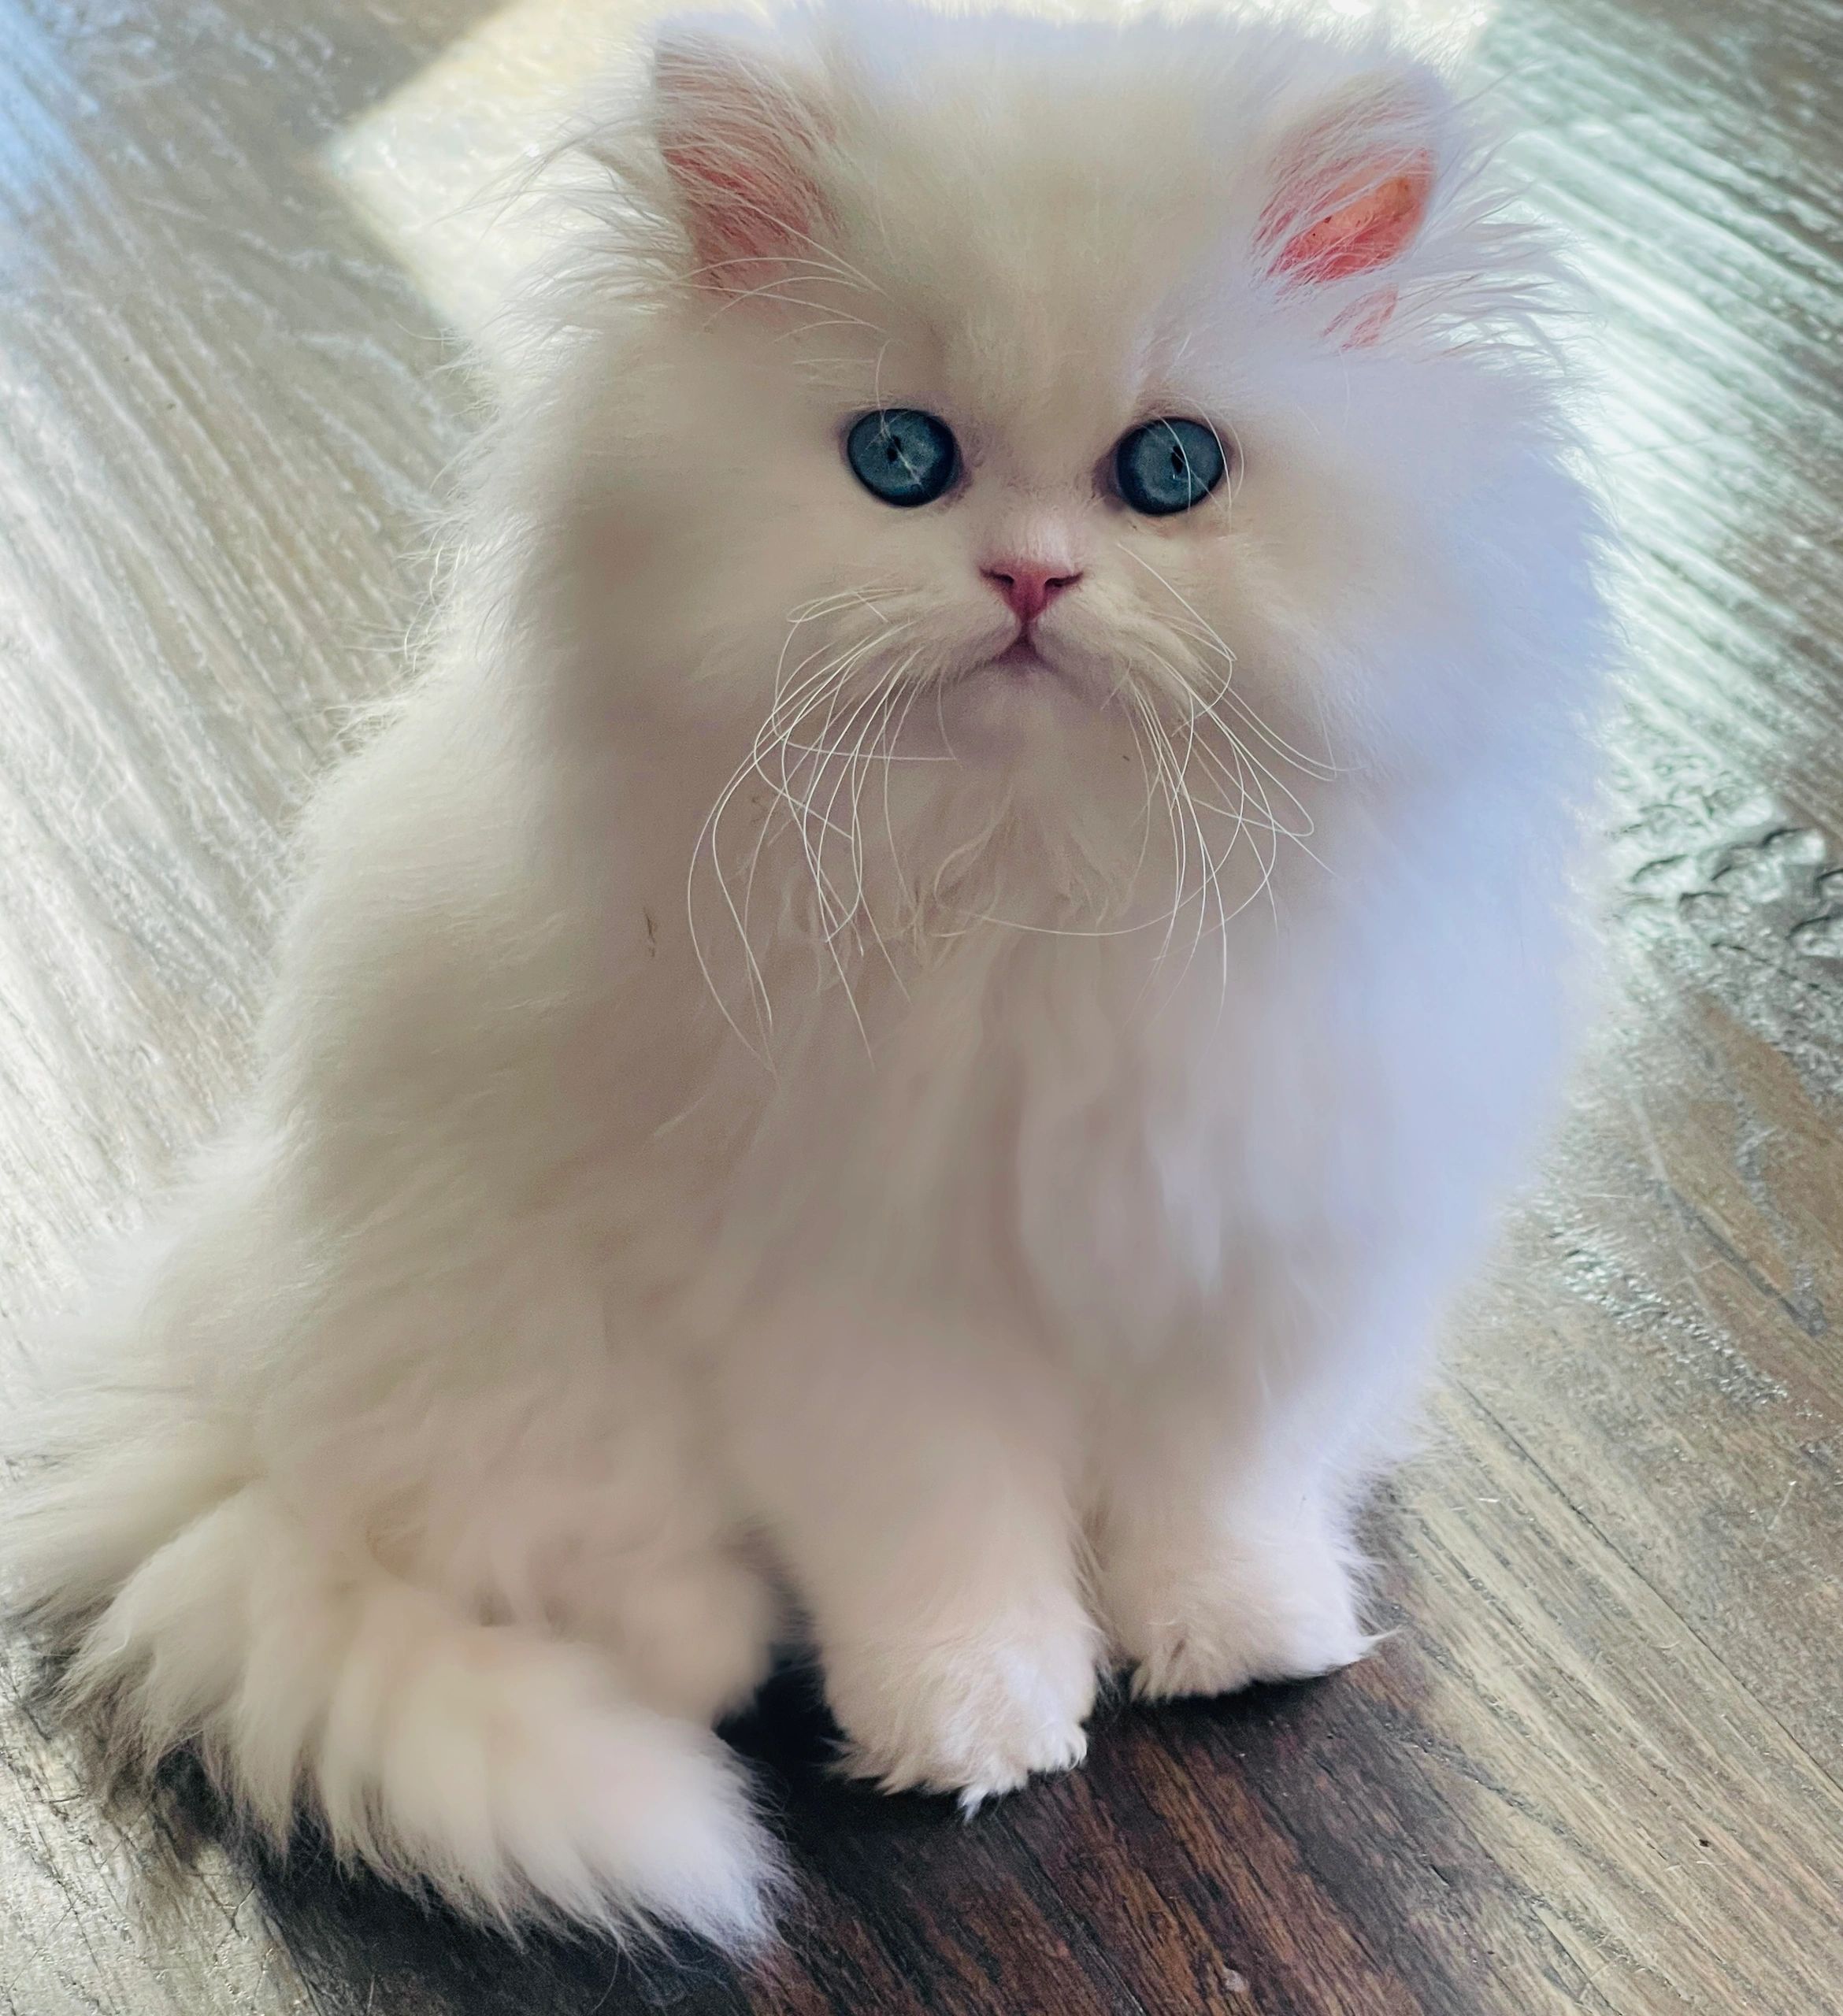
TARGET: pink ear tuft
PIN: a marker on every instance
(1370, 216)
(738, 144)
(1352, 192)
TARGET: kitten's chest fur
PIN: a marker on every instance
(1112, 1136)
(1049, 1130)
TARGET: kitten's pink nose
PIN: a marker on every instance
(1028, 586)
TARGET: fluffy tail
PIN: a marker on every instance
(496, 1766)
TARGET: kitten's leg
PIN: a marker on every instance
(913, 1480)
(1222, 1561)
(603, 1513)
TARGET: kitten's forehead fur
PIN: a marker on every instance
(1061, 214)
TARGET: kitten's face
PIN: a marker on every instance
(1048, 378)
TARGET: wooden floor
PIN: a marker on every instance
(1598, 1766)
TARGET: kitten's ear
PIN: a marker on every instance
(1350, 190)
(740, 141)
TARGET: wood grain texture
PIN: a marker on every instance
(1598, 1765)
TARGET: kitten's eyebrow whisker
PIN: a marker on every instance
(826, 268)
(771, 291)
(822, 322)
(828, 260)
(876, 375)
(833, 261)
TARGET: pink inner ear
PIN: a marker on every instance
(1350, 221)
(741, 208)
(737, 145)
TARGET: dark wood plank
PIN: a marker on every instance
(1599, 1766)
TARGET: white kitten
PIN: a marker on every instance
(919, 1014)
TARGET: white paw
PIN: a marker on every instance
(1248, 1609)
(977, 1715)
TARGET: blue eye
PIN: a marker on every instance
(903, 457)
(1168, 466)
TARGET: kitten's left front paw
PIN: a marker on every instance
(1217, 1618)
(977, 1715)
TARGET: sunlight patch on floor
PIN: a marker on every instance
(439, 169)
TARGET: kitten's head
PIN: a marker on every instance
(1103, 389)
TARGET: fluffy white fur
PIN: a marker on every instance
(762, 1107)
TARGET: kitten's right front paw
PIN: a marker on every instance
(976, 1715)
(1210, 1612)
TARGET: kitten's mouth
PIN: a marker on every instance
(1023, 667)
